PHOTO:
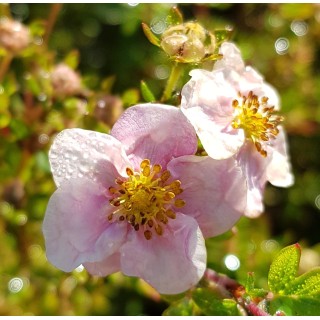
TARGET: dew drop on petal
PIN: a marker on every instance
(317, 201)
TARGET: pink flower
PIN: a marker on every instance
(65, 81)
(234, 113)
(139, 201)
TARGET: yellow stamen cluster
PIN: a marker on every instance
(145, 198)
(258, 120)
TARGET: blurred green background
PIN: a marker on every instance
(106, 45)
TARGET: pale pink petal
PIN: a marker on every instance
(279, 170)
(214, 190)
(76, 228)
(109, 265)
(77, 153)
(156, 132)
(207, 103)
(171, 263)
(231, 57)
(254, 167)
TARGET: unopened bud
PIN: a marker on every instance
(65, 81)
(14, 36)
(188, 42)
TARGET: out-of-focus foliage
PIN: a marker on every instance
(106, 46)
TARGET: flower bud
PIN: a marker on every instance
(14, 36)
(188, 42)
(65, 81)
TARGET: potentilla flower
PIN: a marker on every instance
(65, 81)
(235, 113)
(14, 36)
(139, 201)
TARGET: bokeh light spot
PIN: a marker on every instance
(15, 285)
(300, 28)
(232, 262)
(282, 45)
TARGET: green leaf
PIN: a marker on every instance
(250, 281)
(130, 97)
(174, 17)
(222, 35)
(146, 92)
(183, 307)
(211, 304)
(151, 37)
(72, 59)
(284, 268)
(295, 306)
(306, 284)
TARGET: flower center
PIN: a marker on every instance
(145, 199)
(258, 120)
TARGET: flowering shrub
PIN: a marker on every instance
(125, 199)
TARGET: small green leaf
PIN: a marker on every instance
(175, 17)
(72, 59)
(183, 307)
(130, 97)
(284, 268)
(222, 35)
(212, 305)
(306, 284)
(250, 281)
(151, 37)
(295, 306)
(146, 92)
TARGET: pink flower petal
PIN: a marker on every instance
(78, 153)
(171, 263)
(207, 103)
(214, 190)
(76, 228)
(279, 170)
(156, 132)
(231, 57)
(254, 168)
(109, 265)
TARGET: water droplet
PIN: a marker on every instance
(15, 285)
(38, 40)
(42, 97)
(84, 167)
(101, 104)
(269, 246)
(79, 269)
(282, 45)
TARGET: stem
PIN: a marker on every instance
(172, 82)
(5, 64)
(55, 9)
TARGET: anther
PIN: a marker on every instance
(159, 230)
(115, 202)
(165, 176)
(129, 172)
(136, 227)
(148, 234)
(150, 223)
(110, 216)
(121, 218)
(157, 168)
(146, 171)
(171, 214)
(144, 163)
(112, 190)
(179, 203)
